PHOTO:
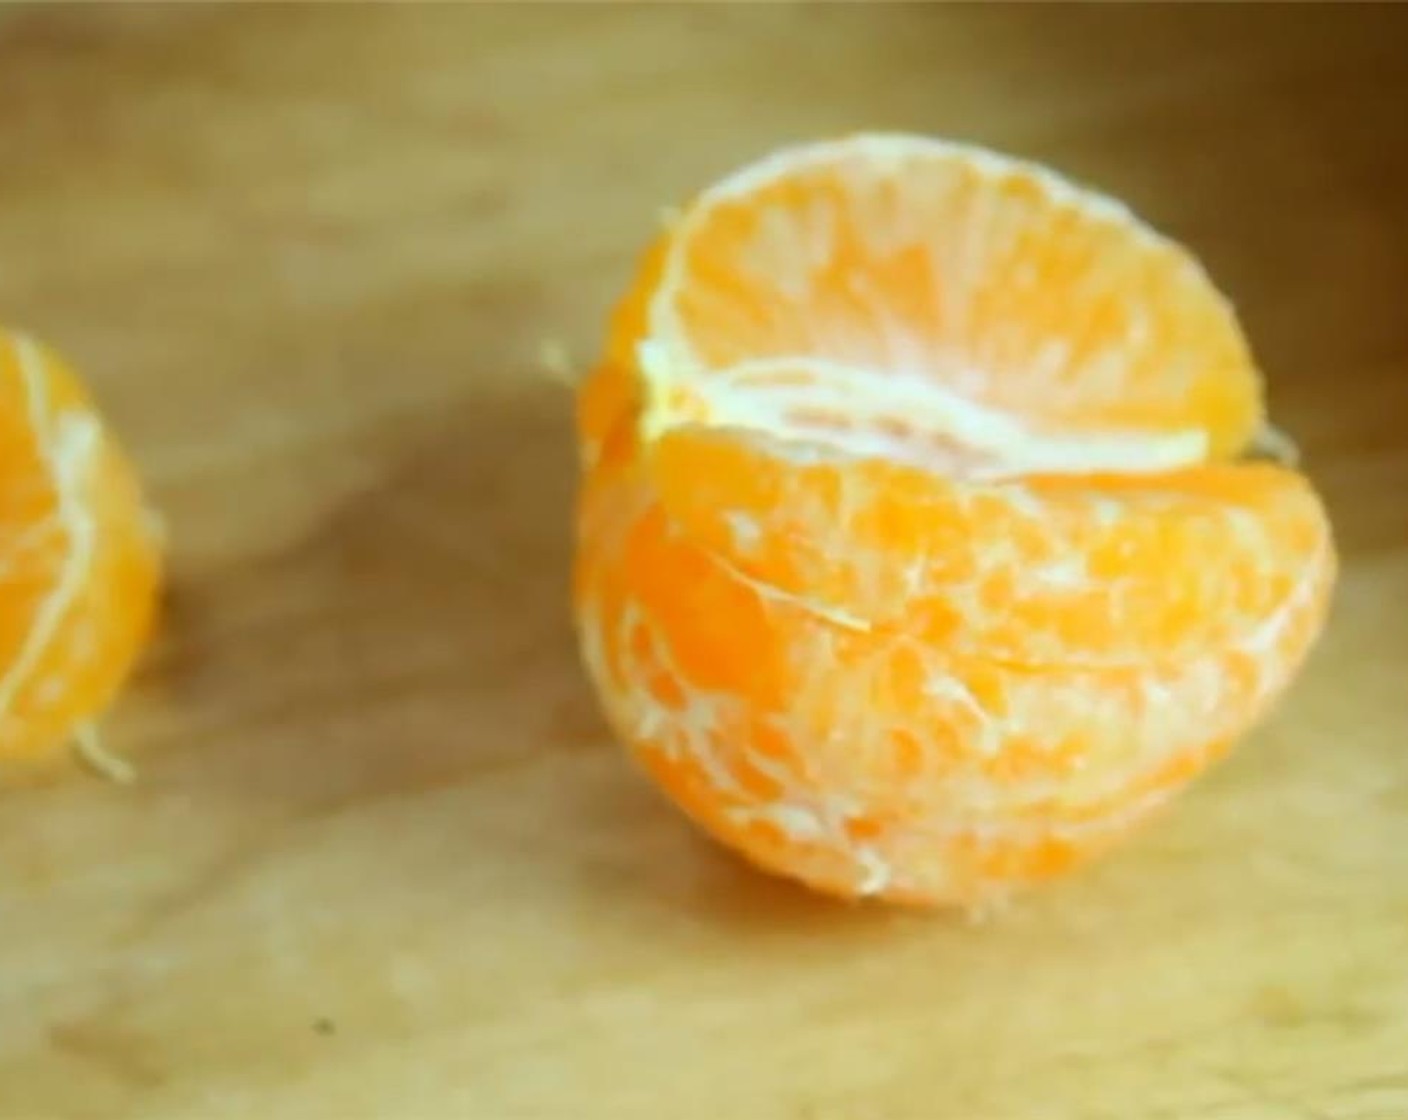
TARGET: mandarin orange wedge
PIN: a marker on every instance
(80, 562)
(921, 549)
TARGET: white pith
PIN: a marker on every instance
(987, 442)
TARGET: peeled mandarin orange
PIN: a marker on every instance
(920, 549)
(79, 567)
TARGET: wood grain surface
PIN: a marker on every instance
(383, 860)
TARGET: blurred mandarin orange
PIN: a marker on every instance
(923, 549)
(79, 568)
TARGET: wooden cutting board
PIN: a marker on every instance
(383, 860)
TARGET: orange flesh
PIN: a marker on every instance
(912, 557)
(79, 560)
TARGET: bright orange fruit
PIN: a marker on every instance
(79, 565)
(920, 554)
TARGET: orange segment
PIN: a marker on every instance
(1059, 569)
(987, 274)
(853, 758)
(912, 556)
(79, 560)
